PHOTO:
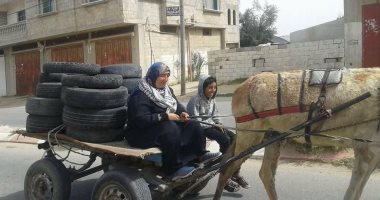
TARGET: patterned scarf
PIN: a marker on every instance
(161, 97)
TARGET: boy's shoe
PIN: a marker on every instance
(231, 186)
(183, 172)
(207, 157)
(241, 181)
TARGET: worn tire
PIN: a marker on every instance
(95, 135)
(100, 81)
(48, 78)
(42, 124)
(127, 70)
(94, 118)
(44, 106)
(123, 182)
(47, 179)
(94, 98)
(49, 90)
(72, 68)
(131, 83)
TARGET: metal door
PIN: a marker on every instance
(27, 72)
(113, 51)
(371, 35)
(69, 53)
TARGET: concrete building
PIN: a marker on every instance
(351, 41)
(33, 32)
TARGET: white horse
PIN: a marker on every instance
(260, 93)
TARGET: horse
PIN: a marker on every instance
(280, 101)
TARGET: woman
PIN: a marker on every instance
(157, 119)
(204, 104)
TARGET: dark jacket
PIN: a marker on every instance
(143, 114)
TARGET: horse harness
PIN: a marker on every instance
(314, 108)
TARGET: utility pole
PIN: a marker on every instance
(182, 39)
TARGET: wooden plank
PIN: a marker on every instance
(117, 148)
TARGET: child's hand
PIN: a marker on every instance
(184, 116)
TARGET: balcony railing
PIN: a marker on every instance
(13, 28)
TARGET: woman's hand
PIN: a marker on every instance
(184, 116)
(173, 117)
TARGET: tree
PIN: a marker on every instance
(198, 62)
(257, 24)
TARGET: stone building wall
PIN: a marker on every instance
(232, 64)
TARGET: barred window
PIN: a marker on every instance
(21, 16)
(47, 6)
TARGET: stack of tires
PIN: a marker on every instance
(94, 107)
(131, 74)
(45, 109)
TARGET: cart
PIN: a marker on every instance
(129, 173)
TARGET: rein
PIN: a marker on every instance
(298, 134)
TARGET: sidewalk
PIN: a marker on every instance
(289, 152)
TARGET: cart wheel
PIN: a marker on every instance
(47, 179)
(121, 184)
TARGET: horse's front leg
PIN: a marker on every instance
(269, 166)
(367, 158)
(227, 172)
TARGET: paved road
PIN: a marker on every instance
(295, 181)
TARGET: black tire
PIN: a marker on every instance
(127, 70)
(100, 81)
(48, 78)
(44, 106)
(47, 179)
(95, 135)
(42, 124)
(94, 98)
(93, 118)
(131, 83)
(73, 68)
(127, 184)
(49, 90)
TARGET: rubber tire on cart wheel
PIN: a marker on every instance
(47, 179)
(123, 183)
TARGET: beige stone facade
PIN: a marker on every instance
(153, 35)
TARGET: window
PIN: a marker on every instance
(229, 16)
(207, 32)
(21, 16)
(211, 4)
(234, 17)
(46, 6)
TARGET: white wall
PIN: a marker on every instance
(3, 82)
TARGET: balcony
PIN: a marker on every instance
(12, 32)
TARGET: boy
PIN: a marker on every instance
(204, 104)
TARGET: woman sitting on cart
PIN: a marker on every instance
(157, 119)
